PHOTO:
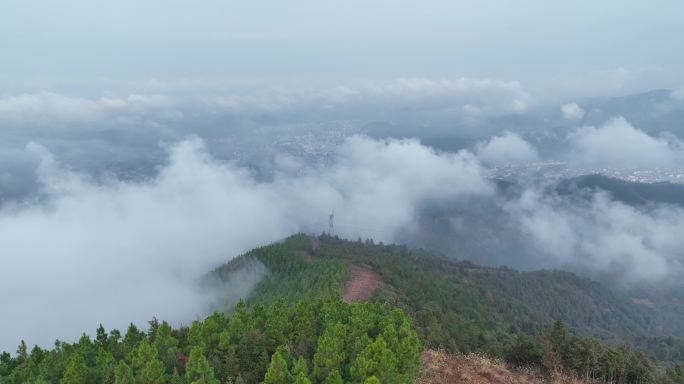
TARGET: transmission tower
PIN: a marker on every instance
(331, 223)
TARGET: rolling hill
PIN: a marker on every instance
(329, 310)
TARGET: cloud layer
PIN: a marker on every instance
(509, 148)
(602, 236)
(98, 219)
(118, 251)
(572, 111)
(473, 95)
(618, 144)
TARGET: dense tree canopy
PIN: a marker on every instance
(320, 341)
(293, 328)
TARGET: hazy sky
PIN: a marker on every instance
(145, 142)
(611, 45)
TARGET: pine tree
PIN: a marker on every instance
(131, 339)
(674, 375)
(76, 372)
(376, 360)
(198, 370)
(278, 372)
(153, 371)
(24, 365)
(329, 352)
(104, 366)
(334, 378)
(123, 374)
(408, 353)
(147, 367)
(301, 378)
(166, 346)
(525, 352)
(304, 330)
(276, 323)
(229, 365)
(101, 337)
(300, 366)
(176, 378)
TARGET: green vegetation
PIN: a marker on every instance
(586, 357)
(294, 329)
(320, 341)
(462, 307)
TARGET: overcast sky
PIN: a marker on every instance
(613, 46)
(145, 142)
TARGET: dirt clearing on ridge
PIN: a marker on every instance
(361, 284)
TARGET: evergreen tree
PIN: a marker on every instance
(131, 339)
(123, 374)
(525, 352)
(276, 323)
(300, 366)
(198, 370)
(334, 378)
(105, 365)
(228, 364)
(301, 378)
(329, 352)
(101, 337)
(376, 360)
(166, 346)
(674, 375)
(76, 372)
(408, 352)
(278, 372)
(152, 372)
(176, 378)
(146, 365)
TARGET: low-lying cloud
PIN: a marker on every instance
(572, 111)
(117, 251)
(618, 144)
(603, 236)
(509, 148)
(56, 110)
(678, 93)
(482, 97)
(99, 223)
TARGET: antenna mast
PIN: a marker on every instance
(331, 224)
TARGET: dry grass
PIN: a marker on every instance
(439, 367)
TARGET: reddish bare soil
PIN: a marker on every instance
(438, 367)
(361, 284)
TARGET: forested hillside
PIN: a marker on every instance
(461, 307)
(320, 341)
(293, 327)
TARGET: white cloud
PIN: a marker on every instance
(604, 236)
(121, 251)
(487, 96)
(509, 148)
(612, 82)
(572, 111)
(351, 100)
(679, 93)
(618, 144)
(53, 109)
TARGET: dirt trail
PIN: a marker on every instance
(361, 284)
